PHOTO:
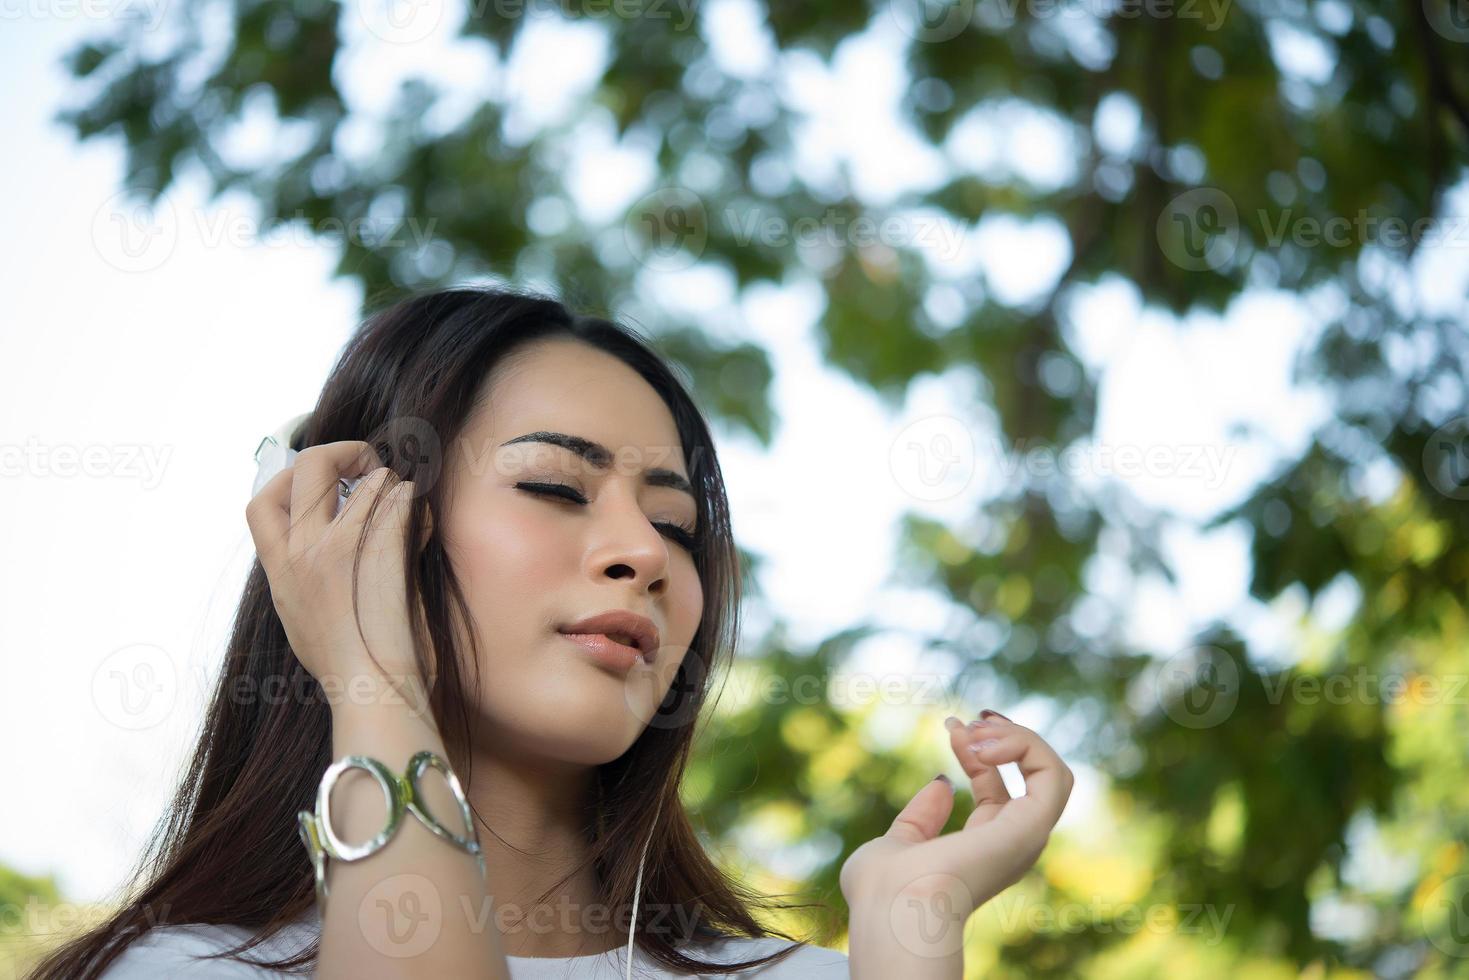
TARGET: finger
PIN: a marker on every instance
(1013, 832)
(925, 814)
(985, 783)
(268, 516)
(317, 470)
(377, 482)
(1047, 778)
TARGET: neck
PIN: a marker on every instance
(532, 823)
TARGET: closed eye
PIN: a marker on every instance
(682, 535)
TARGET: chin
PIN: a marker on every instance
(585, 722)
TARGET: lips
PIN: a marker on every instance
(621, 626)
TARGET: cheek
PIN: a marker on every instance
(687, 606)
(685, 611)
(504, 544)
(506, 561)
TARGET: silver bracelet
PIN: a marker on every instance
(402, 793)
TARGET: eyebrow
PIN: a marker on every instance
(600, 457)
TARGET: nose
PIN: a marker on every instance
(629, 548)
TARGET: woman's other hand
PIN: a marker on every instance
(923, 885)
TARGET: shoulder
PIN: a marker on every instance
(174, 951)
(807, 961)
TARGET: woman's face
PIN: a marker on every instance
(531, 563)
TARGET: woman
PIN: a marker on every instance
(544, 495)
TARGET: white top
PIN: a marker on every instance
(166, 952)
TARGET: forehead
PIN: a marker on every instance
(567, 386)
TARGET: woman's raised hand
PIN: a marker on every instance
(307, 552)
(925, 884)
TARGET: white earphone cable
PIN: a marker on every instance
(638, 888)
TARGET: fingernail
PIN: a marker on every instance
(987, 712)
(981, 746)
(950, 722)
(945, 779)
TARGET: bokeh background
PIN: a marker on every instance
(1098, 361)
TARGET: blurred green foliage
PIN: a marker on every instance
(1227, 835)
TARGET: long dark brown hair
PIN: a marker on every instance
(228, 852)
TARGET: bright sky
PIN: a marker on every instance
(163, 380)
